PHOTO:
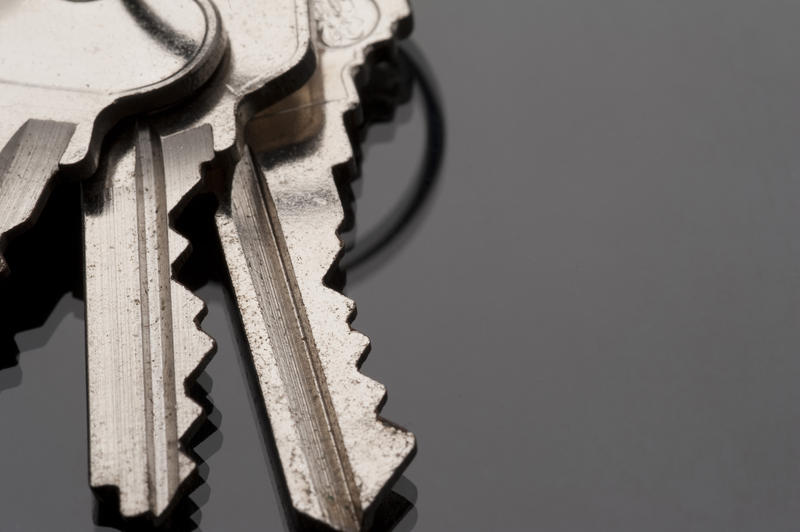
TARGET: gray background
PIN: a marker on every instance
(594, 325)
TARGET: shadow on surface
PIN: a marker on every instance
(382, 241)
(45, 264)
(397, 511)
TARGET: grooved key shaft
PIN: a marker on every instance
(278, 225)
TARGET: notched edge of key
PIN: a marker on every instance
(381, 43)
(189, 152)
(174, 166)
(285, 355)
(396, 455)
(334, 279)
(263, 299)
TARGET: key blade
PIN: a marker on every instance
(268, 56)
(287, 359)
(336, 454)
(143, 338)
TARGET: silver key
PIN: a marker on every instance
(278, 227)
(143, 340)
(62, 88)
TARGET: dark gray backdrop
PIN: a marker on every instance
(593, 325)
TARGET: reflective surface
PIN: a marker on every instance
(603, 288)
(40, 40)
(278, 223)
(149, 55)
(143, 343)
(57, 97)
(143, 346)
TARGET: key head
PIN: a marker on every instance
(89, 63)
(343, 23)
(70, 69)
(344, 33)
(270, 56)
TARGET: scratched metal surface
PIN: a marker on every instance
(278, 228)
(603, 291)
(143, 346)
(60, 92)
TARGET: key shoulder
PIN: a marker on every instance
(53, 65)
(269, 55)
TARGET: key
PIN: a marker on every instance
(143, 340)
(62, 88)
(278, 227)
(144, 344)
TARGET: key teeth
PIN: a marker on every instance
(397, 445)
(379, 450)
(193, 347)
(190, 411)
(195, 352)
(184, 250)
(392, 446)
(338, 454)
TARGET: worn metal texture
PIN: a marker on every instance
(142, 327)
(143, 340)
(62, 86)
(269, 56)
(278, 227)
